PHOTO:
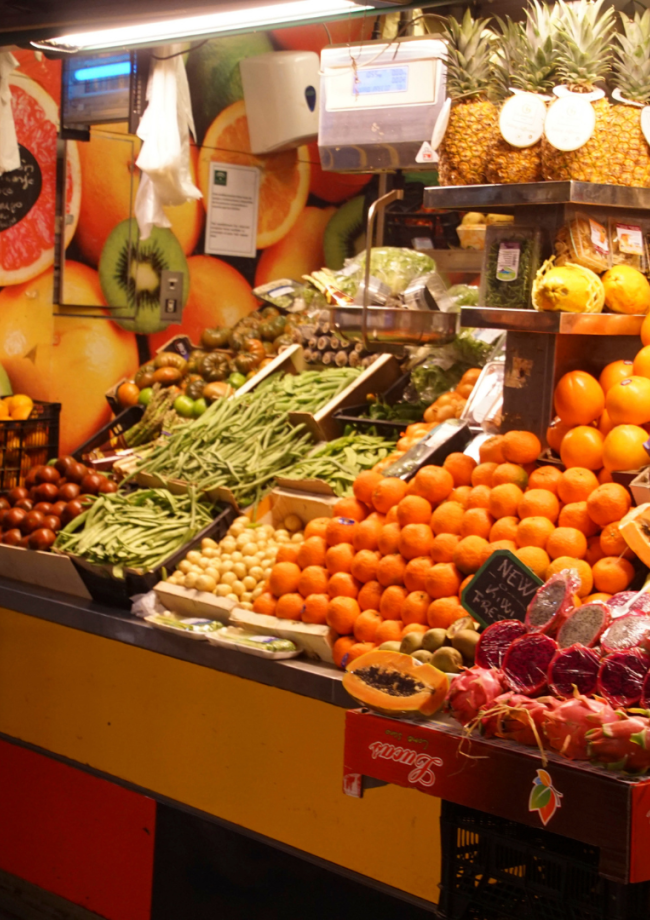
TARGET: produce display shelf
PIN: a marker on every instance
(536, 193)
(551, 323)
(603, 809)
(388, 325)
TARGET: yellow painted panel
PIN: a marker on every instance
(266, 759)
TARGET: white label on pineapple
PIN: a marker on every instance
(441, 125)
(570, 122)
(630, 239)
(594, 96)
(645, 122)
(598, 237)
(521, 120)
(508, 261)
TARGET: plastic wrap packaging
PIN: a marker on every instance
(485, 404)
(583, 241)
(627, 242)
(553, 602)
(510, 264)
(9, 150)
(391, 265)
(621, 676)
(574, 667)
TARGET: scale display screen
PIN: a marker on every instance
(100, 88)
(381, 80)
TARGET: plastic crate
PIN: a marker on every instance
(494, 869)
(356, 415)
(28, 443)
(112, 431)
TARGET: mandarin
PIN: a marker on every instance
(312, 552)
(376, 518)
(510, 472)
(357, 650)
(612, 542)
(608, 503)
(536, 558)
(504, 500)
(415, 628)
(491, 450)
(477, 522)
(577, 485)
(364, 565)
(521, 447)
(387, 493)
(313, 580)
(504, 529)
(415, 573)
(447, 518)
(350, 508)
(389, 631)
(265, 603)
(614, 373)
(582, 447)
(443, 612)
(316, 527)
(605, 476)
(464, 583)
(365, 484)
(392, 601)
(366, 626)
(539, 503)
(479, 497)
(388, 541)
(605, 424)
(579, 398)
(575, 514)
(370, 596)
(284, 578)
(339, 558)
(483, 473)
(391, 517)
(612, 575)
(598, 596)
(444, 546)
(288, 552)
(433, 483)
(468, 554)
(342, 584)
(567, 541)
(316, 609)
(460, 467)
(415, 606)
(582, 568)
(493, 547)
(594, 550)
(367, 535)
(390, 570)
(442, 580)
(413, 509)
(290, 606)
(534, 531)
(340, 530)
(342, 613)
(341, 648)
(415, 540)
(460, 495)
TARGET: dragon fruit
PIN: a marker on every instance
(623, 745)
(629, 602)
(584, 625)
(495, 640)
(552, 603)
(473, 690)
(526, 662)
(621, 676)
(567, 725)
(574, 668)
(516, 717)
(627, 631)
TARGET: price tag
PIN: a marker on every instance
(521, 120)
(630, 239)
(598, 237)
(508, 261)
(570, 122)
(645, 122)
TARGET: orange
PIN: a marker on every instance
(605, 424)
(340, 530)
(624, 448)
(311, 551)
(413, 509)
(442, 580)
(389, 631)
(575, 514)
(616, 372)
(357, 650)
(365, 484)
(476, 522)
(483, 473)
(605, 476)
(288, 552)
(555, 433)
(521, 447)
(350, 508)
(366, 626)
(364, 565)
(534, 531)
(443, 612)
(566, 541)
(464, 583)
(265, 603)
(433, 483)
(444, 547)
(317, 527)
(582, 447)
(628, 402)
(415, 628)
(545, 477)
(367, 535)
(645, 331)
(316, 609)
(536, 558)
(414, 608)
(391, 517)
(290, 606)
(468, 554)
(598, 596)
(447, 518)
(284, 578)
(492, 450)
(641, 366)
(608, 503)
(493, 547)
(370, 595)
(612, 542)
(340, 651)
(510, 473)
(594, 550)
(579, 398)
(388, 542)
(581, 567)
(479, 497)
(539, 503)
(390, 570)
(460, 495)
(392, 602)
(577, 485)
(612, 575)
(471, 375)
(284, 177)
(388, 492)
(313, 580)
(341, 614)
(460, 466)
(415, 573)
(504, 529)
(415, 540)
(376, 518)
(342, 584)
(504, 501)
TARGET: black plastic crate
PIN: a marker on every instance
(494, 869)
(111, 432)
(28, 443)
(357, 415)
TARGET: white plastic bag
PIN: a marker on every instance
(165, 155)
(145, 605)
(9, 150)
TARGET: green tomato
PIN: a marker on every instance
(145, 396)
(236, 380)
(184, 406)
(200, 405)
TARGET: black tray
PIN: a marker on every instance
(126, 419)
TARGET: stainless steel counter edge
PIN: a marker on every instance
(313, 679)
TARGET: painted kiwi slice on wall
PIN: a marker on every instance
(130, 271)
(341, 238)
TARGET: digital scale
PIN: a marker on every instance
(379, 101)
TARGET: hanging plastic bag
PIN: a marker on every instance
(9, 150)
(165, 155)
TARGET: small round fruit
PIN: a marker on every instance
(199, 407)
(145, 396)
(128, 394)
(236, 380)
(624, 448)
(447, 659)
(433, 639)
(422, 655)
(466, 641)
(411, 643)
(579, 398)
(184, 406)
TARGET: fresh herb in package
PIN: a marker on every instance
(509, 265)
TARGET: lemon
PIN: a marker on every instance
(626, 290)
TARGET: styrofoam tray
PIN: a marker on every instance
(154, 620)
(227, 638)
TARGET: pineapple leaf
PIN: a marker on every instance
(470, 71)
(585, 48)
(632, 58)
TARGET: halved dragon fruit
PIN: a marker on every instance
(526, 662)
(629, 602)
(574, 668)
(552, 603)
(473, 690)
(567, 725)
(495, 640)
(516, 717)
(626, 632)
(623, 745)
(584, 625)
(621, 676)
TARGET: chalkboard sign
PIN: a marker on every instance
(19, 190)
(502, 589)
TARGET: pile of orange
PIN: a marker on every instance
(396, 558)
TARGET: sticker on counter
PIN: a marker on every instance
(630, 239)
(570, 122)
(232, 205)
(521, 121)
(544, 797)
(598, 235)
(508, 261)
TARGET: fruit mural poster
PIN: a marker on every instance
(305, 216)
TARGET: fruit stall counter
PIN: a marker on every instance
(130, 710)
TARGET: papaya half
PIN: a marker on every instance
(635, 530)
(394, 684)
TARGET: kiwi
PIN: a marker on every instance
(411, 643)
(433, 639)
(341, 231)
(422, 655)
(466, 641)
(447, 659)
(458, 625)
(391, 646)
(130, 273)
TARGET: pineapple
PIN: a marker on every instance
(473, 117)
(584, 56)
(526, 61)
(629, 154)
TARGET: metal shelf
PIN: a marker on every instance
(399, 327)
(536, 193)
(551, 323)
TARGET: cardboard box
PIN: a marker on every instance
(306, 505)
(188, 602)
(315, 640)
(44, 570)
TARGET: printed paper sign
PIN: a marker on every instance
(231, 226)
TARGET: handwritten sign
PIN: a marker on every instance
(19, 190)
(502, 589)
